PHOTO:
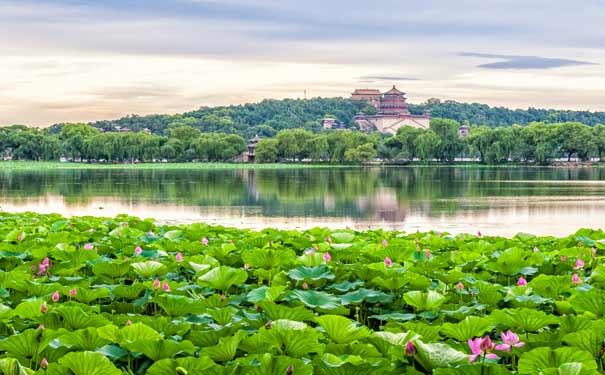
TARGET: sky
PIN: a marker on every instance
(85, 60)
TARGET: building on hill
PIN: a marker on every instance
(393, 113)
(332, 124)
(372, 96)
(249, 156)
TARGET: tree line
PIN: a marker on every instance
(537, 142)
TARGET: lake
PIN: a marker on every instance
(498, 201)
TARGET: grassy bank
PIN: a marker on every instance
(125, 295)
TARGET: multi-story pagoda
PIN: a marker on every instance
(393, 102)
(393, 113)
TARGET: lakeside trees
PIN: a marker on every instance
(538, 143)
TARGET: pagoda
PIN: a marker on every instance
(393, 103)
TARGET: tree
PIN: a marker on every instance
(427, 145)
(266, 151)
(74, 137)
(598, 133)
(450, 145)
(361, 154)
(574, 138)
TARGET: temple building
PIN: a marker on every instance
(392, 113)
(372, 96)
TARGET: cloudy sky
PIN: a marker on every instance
(83, 60)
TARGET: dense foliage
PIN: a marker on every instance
(125, 296)
(535, 143)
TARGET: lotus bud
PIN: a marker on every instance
(479, 233)
(460, 286)
(579, 264)
(166, 287)
(427, 253)
(88, 246)
(42, 327)
(223, 298)
(178, 257)
(305, 285)
(247, 266)
(327, 257)
(388, 262)
(563, 258)
(486, 344)
(290, 370)
(43, 308)
(536, 249)
(385, 243)
(575, 279)
(156, 284)
(55, 296)
(410, 349)
(20, 236)
(73, 292)
(44, 363)
(138, 250)
(129, 322)
(204, 241)
(521, 281)
(268, 325)
(329, 239)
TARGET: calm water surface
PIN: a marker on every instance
(499, 201)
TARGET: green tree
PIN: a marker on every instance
(361, 154)
(267, 151)
(427, 145)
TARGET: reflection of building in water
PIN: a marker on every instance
(393, 113)
(383, 205)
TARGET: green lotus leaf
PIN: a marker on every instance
(28, 344)
(128, 292)
(346, 285)
(550, 286)
(275, 311)
(86, 295)
(149, 268)
(291, 338)
(269, 259)
(113, 352)
(29, 309)
(88, 363)
(515, 261)
(424, 301)
(226, 348)
(265, 294)
(470, 327)
(301, 273)
(342, 237)
(267, 364)
(160, 349)
(342, 330)
(74, 317)
(523, 320)
(590, 340)
(592, 301)
(182, 366)
(558, 361)
(83, 339)
(437, 355)
(177, 305)
(112, 269)
(400, 317)
(385, 340)
(222, 278)
(365, 295)
(313, 299)
(10, 366)
(348, 364)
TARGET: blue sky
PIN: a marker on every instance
(85, 60)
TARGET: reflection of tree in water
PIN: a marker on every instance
(371, 193)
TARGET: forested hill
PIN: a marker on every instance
(270, 116)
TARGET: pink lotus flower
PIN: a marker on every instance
(204, 241)
(178, 257)
(579, 264)
(563, 258)
(73, 292)
(410, 349)
(575, 279)
(150, 233)
(460, 286)
(290, 370)
(43, 308)
(509, 340)
(223, 298)
(305, 285)
(20, 236)
(536, 249)
(129, 322)
(427, 253)
(42, 327)
(311, 251)
(327, 257)
(481, 346)
(479, 234)
(166, 287)
(138, 250)
(385, 243)
(387, 262)
(156, 284)
(521, 281)
(55, 296)
(88, 246)
(329, 239)
(44, 363)
(247, 266)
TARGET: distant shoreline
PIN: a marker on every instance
(45, 165)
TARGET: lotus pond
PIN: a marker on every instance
(90, 296)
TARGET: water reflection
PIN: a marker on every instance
(493, 200)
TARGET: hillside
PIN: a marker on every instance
(269, 116)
